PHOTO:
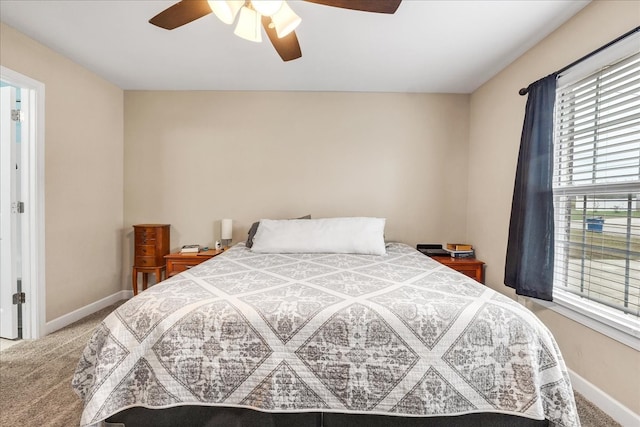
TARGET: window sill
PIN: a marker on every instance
(620, 327)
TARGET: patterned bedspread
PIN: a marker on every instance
(398, 334)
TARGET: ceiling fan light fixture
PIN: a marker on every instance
(275, 16)
(285, 20)
(226, 10)
(249, 25)
(267, 7)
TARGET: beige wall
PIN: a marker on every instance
(192, 158)
(83, 174)
(497, 112)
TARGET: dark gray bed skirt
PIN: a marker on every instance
(202, 416)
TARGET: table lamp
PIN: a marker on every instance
(226, 227)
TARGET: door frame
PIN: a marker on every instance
(33, 180)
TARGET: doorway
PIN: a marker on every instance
(22, 285)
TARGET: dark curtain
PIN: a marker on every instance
(529, 262)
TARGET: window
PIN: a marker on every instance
(597, 184)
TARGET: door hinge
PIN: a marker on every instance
(17, 116)
(17, 207)
(19, 298)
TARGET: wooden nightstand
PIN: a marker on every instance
(471, 267)
(177, 262)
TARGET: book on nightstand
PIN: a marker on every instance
(462, 254)
(460, 250)
(190, 249)
(459, 247)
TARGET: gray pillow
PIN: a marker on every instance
(254, 229)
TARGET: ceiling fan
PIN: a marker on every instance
(275, 16)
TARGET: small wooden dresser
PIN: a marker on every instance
(151, 244)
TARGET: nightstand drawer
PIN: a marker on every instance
(145, 261)
(177, 263)
(178, 267)
(146, 233)
(145, 250)
(175, 266)
(470, 271)
(149, 231)
(145, 240)
(471, 267)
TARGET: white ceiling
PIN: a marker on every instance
(444, 46)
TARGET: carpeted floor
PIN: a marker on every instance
(35, 377)
(35, 380)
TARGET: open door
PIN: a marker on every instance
(8, 215)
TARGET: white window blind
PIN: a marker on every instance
(597, 181)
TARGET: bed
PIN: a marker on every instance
(323, 339)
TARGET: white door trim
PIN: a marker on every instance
(9, 273)
(33, 255)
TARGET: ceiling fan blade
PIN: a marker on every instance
(181, 13)
(287, 47)
(379, 6)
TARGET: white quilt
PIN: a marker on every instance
(397, 334)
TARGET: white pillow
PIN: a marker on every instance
(326, 235)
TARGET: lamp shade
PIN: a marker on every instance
(285, 20)
(249, 25)
(226, 10)
(226, 228)
(267, 7)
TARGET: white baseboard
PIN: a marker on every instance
(602, 400)
(78, 314)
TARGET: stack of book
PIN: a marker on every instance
(460, 250)
(190, 249)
